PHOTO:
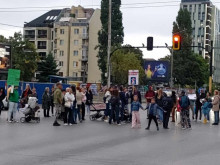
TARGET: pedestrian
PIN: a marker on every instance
(26, 93)
(206, 107)
(215, 107)
(89, 100)
(106, 99)
(69, 99)
(46, 102)
(159, 101)
(84, 98)
(153, 112)
(13, 98)
(199, 105)
(34, 93)
(78, 111)
(122, 97)
(51, 100)
(149, 95)
(184, 104)
(2, 97)
(174, 98)
(135, 106)
(58, 100)
(134, 92)
(167, 107)
(115, 103)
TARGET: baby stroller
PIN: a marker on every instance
(31, 111)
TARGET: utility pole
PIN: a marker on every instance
(210, 69)
(109, 43)
(171, 81)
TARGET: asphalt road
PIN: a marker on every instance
(97, 143)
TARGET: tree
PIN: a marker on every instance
(47, 67)
(121, 63)
(117, 33)
(24, 56)
(188, 66)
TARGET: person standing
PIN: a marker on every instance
(34, 93)
(83, 103)
(46, 102)
(51, 99)
(26, 93)
(79, 98)
(159, 101)
(2, 97)
(174, 98)
(69, 99)
(184, 105)
(89, 100)
(149, 95)
(122, 97)
(167, 107)
(115, 103)
(58, 100)
(107, 99)
(13, 98)
(215, 107)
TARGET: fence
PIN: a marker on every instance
(40, 87)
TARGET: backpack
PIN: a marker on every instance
(184, 102)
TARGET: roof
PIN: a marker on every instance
(44, 20)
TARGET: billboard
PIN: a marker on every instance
(133, 77)
(5, 57)
(157, 70)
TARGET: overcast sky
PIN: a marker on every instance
(138, 22)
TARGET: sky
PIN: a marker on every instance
(141, 18)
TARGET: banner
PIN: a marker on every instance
(156, 70)
(5, 57)
(133, 77)
(13, 77)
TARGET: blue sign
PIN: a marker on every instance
(156, 70)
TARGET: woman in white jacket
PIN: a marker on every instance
(107, 99)
(69, 99)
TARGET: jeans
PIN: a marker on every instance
(122, 111)
(68, 116)
(166, 117)
(83, 106)
(88, 109)
(198, 110)
(12, 109)
(216, 113)
(160, 112)
(114, 112)
(57, 108)
(150, 119)
(76, 112)
(107, 110)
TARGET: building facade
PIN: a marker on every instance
(72, 41)
(205, 19)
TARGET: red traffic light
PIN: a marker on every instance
(176, 42)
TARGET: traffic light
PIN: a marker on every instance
(176, 42)
(150, 43)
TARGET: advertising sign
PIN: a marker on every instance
(156, 70)
(13, 77)
(133, 77)
(5, 57)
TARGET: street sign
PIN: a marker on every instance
(133, 77)
(13, 77)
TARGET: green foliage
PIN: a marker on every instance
(122, 62)
(188, 66)
(47, 67)
(24, 56)
(117, 33)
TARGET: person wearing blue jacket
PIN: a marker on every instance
(206, 107)
(153, 112)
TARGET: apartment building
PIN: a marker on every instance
(205, 19)
(40, 32)
(72, 38)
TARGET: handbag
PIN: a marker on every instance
(67, 104)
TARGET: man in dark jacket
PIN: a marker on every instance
(167, 106)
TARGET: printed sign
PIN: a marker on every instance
(5, 57)
(133, 77)
(14, 77)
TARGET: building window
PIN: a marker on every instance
(42, 33)
(76, 31)
(199, 32)
(61, 63)
(75, 64)
(75, 53)
(76, 42)
(203, 16)
(199, 7)
(61, 53)
(61, 31)
(184, 6)
(60, 73)
(199, 16)
(190, 8)
(75, 74)
(42, 45)
(61, 42)
(42, 55)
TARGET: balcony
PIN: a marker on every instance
(75, 79)
(42, 36)
(84, 58)
(85, 46)
(41, 47)
(84, 36)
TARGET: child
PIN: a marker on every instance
(153, 111)
(135, 106)
(206, 109)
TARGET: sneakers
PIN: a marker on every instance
(183, 128)
(10, 121)
(70, 124)
(56, 124)
(119, 124)
(148, 128)
(65, 124)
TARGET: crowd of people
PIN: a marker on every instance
(122, 105)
